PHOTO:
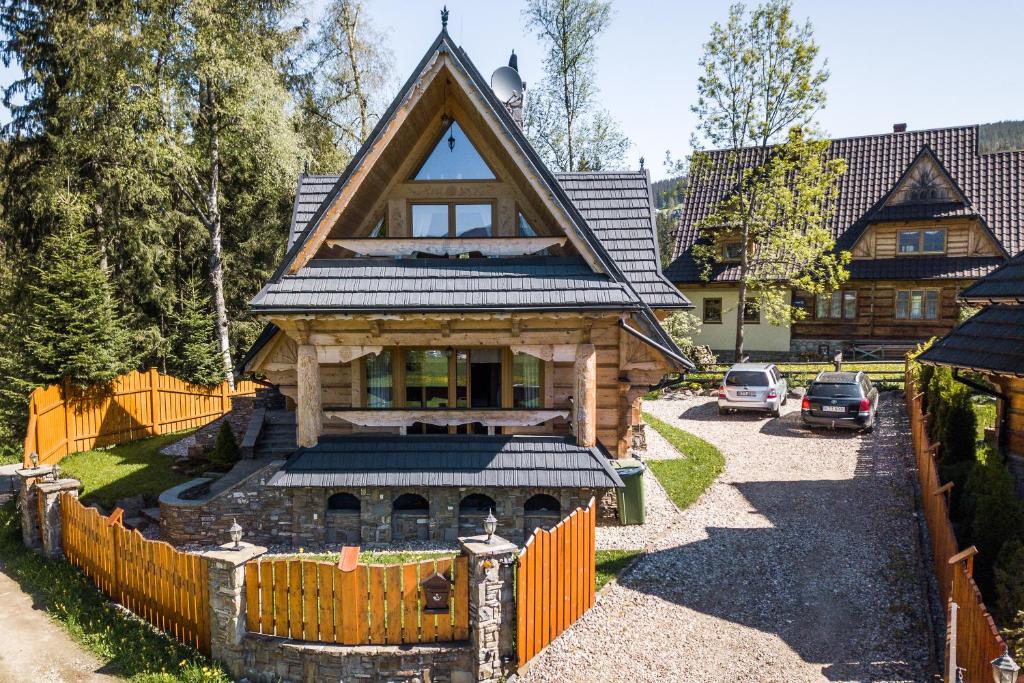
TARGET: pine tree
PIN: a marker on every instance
(193, 355)
(74, 328)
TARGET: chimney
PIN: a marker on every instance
(510, 88)
(899, 128)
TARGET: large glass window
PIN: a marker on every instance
(526, 386)
(429, 220)
(485, 378)
(752, 313)
(839, 305)
(454, 158)
(473, 220)
(426, 378)
(380, 381)
(917, 304)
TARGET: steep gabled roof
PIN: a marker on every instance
(990, 341)
(310, 196)
(1005, 284)
(992, 186)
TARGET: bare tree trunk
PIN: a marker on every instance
(214, 226)
(351, 19)
(741, 301)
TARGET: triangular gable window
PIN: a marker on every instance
(454, 158)
(925, 183)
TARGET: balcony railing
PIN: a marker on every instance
(443, 417)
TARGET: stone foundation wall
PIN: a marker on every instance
(298, 516)
(269, 660)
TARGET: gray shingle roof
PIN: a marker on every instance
(1005, 284)
(470, 461)
(993, 185)
(311, 192)
(992, 340)
(619, 209)
(444, 284)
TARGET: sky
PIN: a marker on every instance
(927, 64)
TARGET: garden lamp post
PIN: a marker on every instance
(490, 525)
(55, 472)
(34, 459)
(1004, 669)
(235, 531)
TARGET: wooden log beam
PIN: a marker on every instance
(407, 418)
(585, 398)
(309, 412)
(441, 246)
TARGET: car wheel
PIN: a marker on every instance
(785, 397)
(870, 428)
(776, 412)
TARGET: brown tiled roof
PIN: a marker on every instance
(993, 185)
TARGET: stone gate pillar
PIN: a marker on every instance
(227, 603)
(492, 615)
(28, 505)
(48, 501)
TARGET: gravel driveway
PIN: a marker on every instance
(799, 564)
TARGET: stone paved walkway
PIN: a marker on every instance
(799, 564)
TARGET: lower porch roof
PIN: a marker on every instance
(394, 460)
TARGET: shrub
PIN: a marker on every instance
(1009, 582)
(996, 516)
(225, 452)
(959, 426)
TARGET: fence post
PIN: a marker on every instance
(69, 419)
(154, 399)
(226, 577)
(491, 605)
(48, 493)
(225, 398)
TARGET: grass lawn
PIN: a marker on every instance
(378, 557)
(128, 645)
(685, 478)
(610, 564)
(126, 470)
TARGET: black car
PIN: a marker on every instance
(840, 399)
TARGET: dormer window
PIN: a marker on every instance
(454, 158)
(732, 251)
(927, 241)
(452, 220)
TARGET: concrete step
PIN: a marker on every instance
(152, 514)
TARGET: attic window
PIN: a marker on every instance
(525, 229)
(732, 251)
(380, 230)
(454, 158)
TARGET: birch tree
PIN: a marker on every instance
(562, 117)
(759, 88)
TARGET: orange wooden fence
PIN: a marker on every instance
(167, 588)
(555, 581)
(65, 419)
(978, 641)
(370, 605)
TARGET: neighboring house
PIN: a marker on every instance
(456, 327)
(924, 215)
(992, 343)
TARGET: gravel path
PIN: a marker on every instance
(799, 564)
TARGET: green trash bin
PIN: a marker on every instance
(631, 497)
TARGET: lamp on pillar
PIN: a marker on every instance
(490, 525)
(34, 459)
(1004, 669)
(235, 532)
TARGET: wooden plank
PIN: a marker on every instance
(410, 604)
(361, 605)
(252, 597)
(377, 607)
(343, 594)
(325, 601)
(428, 622)
(460, 625)
(310, 614)
(295, 599)
(280, 572)
(444, 621)
(393, 603)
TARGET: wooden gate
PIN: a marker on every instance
(167, 588)
(370, 605)
(555, 581)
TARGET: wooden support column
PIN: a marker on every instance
(585, 396)
(309, 412)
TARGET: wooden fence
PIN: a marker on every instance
(65, 419)
(370, 605)
(978, 641)
(555, 581)
(167, 588)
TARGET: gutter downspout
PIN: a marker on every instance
(995, 393)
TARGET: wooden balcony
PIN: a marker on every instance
(444, 246)
(443, 417)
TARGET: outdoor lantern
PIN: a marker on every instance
(436, 590)
(490, 525)
(235, 531)
(55, 472)
(1004, 669)
(34, 457)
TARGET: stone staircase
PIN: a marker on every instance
(277, 438)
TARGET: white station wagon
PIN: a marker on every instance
(752, 386)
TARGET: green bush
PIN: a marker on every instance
(959, 426)
(996, 516)
(1009, 582)
(225, 452)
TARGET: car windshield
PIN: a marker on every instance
(834, 390)
(746, 378)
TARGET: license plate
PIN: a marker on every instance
(834, 409)
(744, 393)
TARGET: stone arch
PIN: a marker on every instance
(540, 510)
(343, 520)
(473, 509)
(410, 518)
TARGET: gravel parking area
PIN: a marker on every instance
(799, 564)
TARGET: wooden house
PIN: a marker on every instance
(456, 327)
(991, 343)
(923, 213)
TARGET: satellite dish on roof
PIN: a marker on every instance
(506, 83)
